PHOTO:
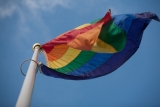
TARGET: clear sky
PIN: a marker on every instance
(25, 22)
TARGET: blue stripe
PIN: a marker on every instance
(123, 21)
(97, 60)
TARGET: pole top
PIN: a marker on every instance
(36, 45)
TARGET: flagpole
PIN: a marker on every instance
(28, 84)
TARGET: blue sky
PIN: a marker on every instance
(25, 22)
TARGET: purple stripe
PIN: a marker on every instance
(147, 15)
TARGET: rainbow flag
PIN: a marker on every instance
(97, 48)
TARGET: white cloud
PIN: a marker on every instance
(29, 11)
(45, 4)
(7, 10)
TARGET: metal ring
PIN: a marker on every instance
(24, 62)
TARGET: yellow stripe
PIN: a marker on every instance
(102, 47)
(82, 26)
(69, 56)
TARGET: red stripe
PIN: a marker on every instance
(69, 36)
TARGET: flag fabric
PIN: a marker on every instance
(95, 49)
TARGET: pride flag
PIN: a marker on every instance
(95, 49)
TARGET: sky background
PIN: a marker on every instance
(25, 22)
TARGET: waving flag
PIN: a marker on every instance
(97, 48)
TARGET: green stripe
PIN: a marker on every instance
(81, 59)
(113, 35)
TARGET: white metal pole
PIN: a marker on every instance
(28, 84)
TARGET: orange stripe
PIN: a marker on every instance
(57, 52)
(86, 40)
(45, 55)
(68, 57)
